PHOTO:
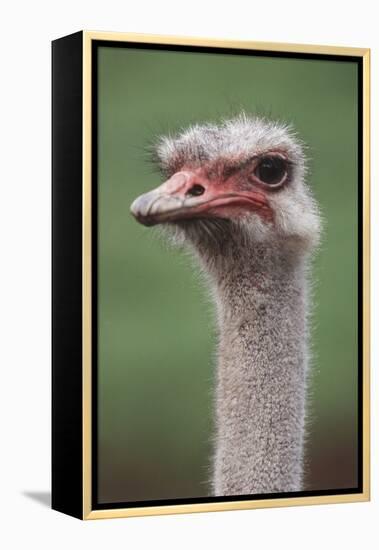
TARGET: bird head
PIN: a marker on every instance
(243, 177)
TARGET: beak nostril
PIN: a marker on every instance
(196, 190)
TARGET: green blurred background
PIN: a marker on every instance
(156, 343)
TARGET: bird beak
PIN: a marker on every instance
(179, 197)
(189, 195)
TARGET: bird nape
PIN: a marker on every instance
(235, 192)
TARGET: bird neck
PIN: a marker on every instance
(261, 303)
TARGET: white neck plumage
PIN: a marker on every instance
(261, 374)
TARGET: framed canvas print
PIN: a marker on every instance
(210, 275)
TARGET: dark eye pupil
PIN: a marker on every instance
(271, 170)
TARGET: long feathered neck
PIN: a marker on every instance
(261, 300)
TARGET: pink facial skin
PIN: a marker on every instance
(212, 191)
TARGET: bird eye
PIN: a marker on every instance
(271, 170)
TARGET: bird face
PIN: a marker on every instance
(247, 171)
(227, 188)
